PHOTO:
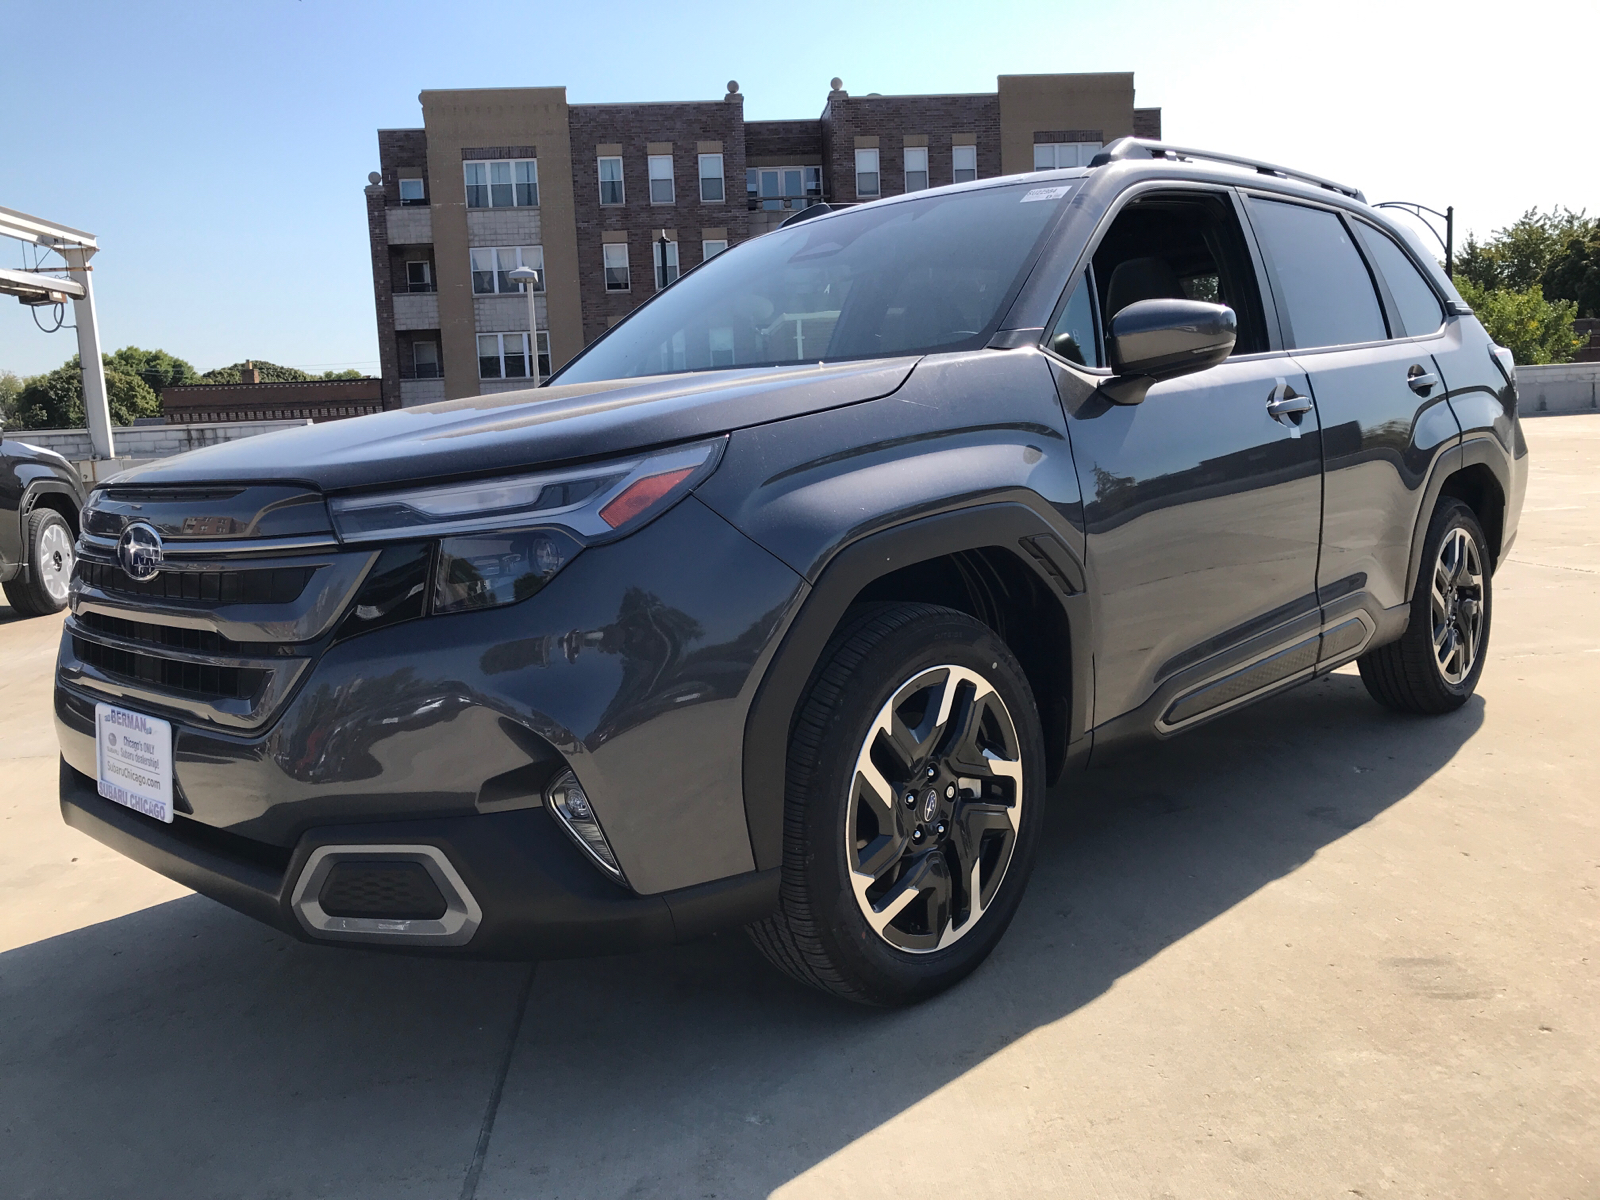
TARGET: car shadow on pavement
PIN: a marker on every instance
(182, 1050)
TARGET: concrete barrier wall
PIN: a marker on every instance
(1558, 388)
(142, 442)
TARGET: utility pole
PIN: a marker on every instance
(38, 287)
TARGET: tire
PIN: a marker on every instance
(975, 786)
(49, 546)
(1435, 666)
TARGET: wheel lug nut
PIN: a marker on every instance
(911, 800)
(950, 792)
(932, 771)
(916, 834)
(939, 828)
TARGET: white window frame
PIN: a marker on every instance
(912, 154)
(501, 261)
(963, 152)
(416, 365)
(654, 164)
(609, 252)
(864, 157)
(1063, 154)
(665, 273)
(711, 247)
(622, 188)
(422, 192)
(427, 275)
(491, 168)
(715, 174)
(499, 341)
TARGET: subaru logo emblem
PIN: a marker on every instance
(930, 804)
(139, 552)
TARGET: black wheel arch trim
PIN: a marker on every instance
(1013, 522)
(1473, 449)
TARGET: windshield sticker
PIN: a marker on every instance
(1054, 193)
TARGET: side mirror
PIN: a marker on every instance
(1152, 340)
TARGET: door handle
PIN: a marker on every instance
(1287, 406)
(1421, 381)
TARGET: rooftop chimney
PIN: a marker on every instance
(249, 374)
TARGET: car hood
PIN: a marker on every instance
(509, 431)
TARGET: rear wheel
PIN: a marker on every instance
(51, 557)
(915, 798)
(1434, 668)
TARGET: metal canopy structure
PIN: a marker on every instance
(44, 285)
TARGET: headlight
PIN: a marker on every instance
(501, 540)
(594, 503)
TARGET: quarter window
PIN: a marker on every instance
(611, 181)
(867, 173)
(615, 255)
(1320, 277)
(1418, 307)
(661, 189)
(502, 183)
(963, 164)
(492, 266)
(411, 192)
(711, 190)
(1074, 337)
(916, 168)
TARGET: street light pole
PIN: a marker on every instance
(1448, 216)
(527, 277)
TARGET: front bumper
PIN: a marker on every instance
(539, 899)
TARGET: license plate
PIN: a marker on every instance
(133, 754)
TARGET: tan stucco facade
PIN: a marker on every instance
(1034, 103)
(457, 120)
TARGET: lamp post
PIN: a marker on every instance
(1448, 216)
(527, 276)
(663, 243)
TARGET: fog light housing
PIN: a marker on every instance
(570, 806)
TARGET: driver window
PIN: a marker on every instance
(1185, 246)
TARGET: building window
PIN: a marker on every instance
(963, 164)
(419, 276)
(867, 173)
(661, 189)
(916, 168)
(721, 347)
(502, 356)
(544, 354)
(611, 181)
(666, 257)
(502, 183)
(492, 267)
(1051, 156)
(711, 178)
(710, 249)
(411, 192)
(616, 262)
(778, 188)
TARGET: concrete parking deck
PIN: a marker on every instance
(1313, 949)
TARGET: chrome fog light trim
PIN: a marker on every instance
(570, 806)
(462, 914)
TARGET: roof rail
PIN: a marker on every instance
(1129, 147)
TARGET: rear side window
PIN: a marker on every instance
(1417, 306)
(1322, 281)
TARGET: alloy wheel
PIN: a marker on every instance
(935, 806)
(55, 561)
(1457, 605)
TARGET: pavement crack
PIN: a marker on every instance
(1528, 562)
(469, 1185)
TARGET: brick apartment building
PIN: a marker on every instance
(499, 178)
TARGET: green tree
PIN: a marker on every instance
(1574, 274)
(55, 400)
(270, 373)
(347, 374)
(1517, 256)
(10, 389)
(156, 367)
(1534, 329)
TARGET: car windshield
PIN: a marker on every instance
(909, 277)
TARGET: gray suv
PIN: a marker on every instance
(783, 604)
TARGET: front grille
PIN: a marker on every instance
(261, 585)
(198, 680)
(172, 637)
(375, 888)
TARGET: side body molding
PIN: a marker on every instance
(1012, 522)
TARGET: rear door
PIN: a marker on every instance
(1384, 416)
(1201, 509)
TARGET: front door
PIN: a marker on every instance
(1202, 509)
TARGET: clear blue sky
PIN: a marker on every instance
(219, 149)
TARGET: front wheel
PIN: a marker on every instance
(1434, 667)
(914, 803)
